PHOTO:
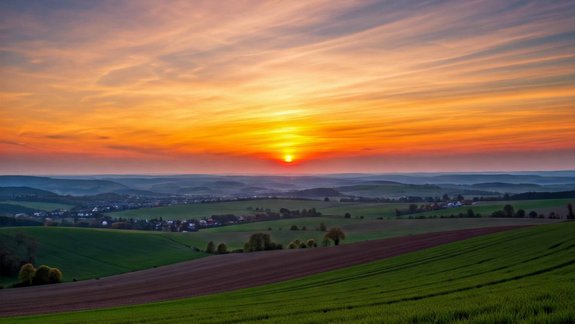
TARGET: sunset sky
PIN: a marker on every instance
(237, 86)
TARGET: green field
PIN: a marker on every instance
(559, 206)
(92, 253)
(525, 275)
(38, 205)
(355, 229)
(334, 208)
(208, 209)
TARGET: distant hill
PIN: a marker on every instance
(9, 209)
(390, 189)
(8, 193)
(544, 195)
(77, 187)
(313, 193)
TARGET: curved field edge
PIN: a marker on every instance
(524, 275)
(92, 253)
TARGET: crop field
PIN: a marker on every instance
(356, 229)
(516, 276)
(38, 205)
(92, 253)
(545, 206)
(234, 207)
(332, 208)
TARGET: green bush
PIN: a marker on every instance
(55, 276)
(26, 274)
(222, 248)
(42, 275)
(211, 247)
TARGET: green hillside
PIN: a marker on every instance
(525, 275)
(335, 208)
(92, 253)
(38, 205)
(544, 206)
(220, 208)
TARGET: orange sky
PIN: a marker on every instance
(234, 86)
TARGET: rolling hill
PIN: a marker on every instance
(516, 276)
(91, 253)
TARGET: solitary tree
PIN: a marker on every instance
(222, 248)
(322, 227)
(211, 248)
(347, 215)
(532, 214)
(335, 234)
(26, 274)
(508, 210)
(55, 276)
(571, 215)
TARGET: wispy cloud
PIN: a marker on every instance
(317, 79)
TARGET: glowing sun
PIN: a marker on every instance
(288, 158)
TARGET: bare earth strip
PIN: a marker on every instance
(215, 274)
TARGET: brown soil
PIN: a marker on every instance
(215, 274)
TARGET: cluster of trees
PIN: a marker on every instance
(286, 213)
(261, 242)
(15, 251)
(222, 248)
(30, 276)
(321, 228)
(509, 211)
(297, 244)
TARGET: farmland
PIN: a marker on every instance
(558, 206)
(92, 253)
(334, 208)
(521, 275)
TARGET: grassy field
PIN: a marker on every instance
(92, 253)
(234, 207)
(526, 275)
(38, 205)
(355, 229)
(334, 208)
(545, 206)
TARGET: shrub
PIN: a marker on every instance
(347, 215)
(211, 248)
(302, 245)
(322, 227)
(325, 242)
(222, 248)
(293, 245)
(26, 274)
(294, 228)
(311, 243)
(55, 276)
(42, 275)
